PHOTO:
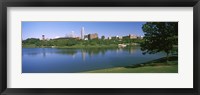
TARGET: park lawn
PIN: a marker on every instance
(155, 66)
(145, 69)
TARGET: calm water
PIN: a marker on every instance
(51, 60)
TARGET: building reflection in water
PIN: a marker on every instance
(83, 55)
(92, 52)
(43, 52)
(119, 50)
(132, 51)
(73, 56)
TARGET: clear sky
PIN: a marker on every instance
(61, 29)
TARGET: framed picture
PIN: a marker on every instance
(77, 47)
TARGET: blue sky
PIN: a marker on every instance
(61, 29)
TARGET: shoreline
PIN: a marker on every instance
(80, 46)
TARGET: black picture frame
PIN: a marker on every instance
(98, 3)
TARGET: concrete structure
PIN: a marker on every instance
(92, 36)
(85, 37)
(43, 37)
(140, 37)
(115, 37)
(130, 37)
(82, 33)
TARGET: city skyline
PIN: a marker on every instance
(53, 30)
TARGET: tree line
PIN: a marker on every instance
(35, 42)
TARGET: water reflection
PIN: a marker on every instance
(73, 52)
(83, 54)
(77, 60)
(43, 52)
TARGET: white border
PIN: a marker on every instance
(183, 79)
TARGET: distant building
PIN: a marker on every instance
(85, 37)
(43, 37)
(114, 37)
(92, 36)
(140, 37)
(109, 38)
(130, 37)
(82, 33)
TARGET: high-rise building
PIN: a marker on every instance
(43, 37)
(82, 33)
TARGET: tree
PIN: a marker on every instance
(32, 41)
(159, 36)
(102, 37)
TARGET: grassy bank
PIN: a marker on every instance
(155, 66)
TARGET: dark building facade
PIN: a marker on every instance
(92, 36)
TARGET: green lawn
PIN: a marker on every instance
(155, 66)
(146, 69)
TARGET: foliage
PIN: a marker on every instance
(159, 36)
(102, 37)
(33, 42)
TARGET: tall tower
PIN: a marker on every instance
(43, 37)
(82, 33)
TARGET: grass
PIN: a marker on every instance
(146, 69)
(155, 66)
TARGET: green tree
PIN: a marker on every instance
(31, 42)
(102, 37)
(159, 36)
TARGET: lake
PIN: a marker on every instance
(53, 60)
